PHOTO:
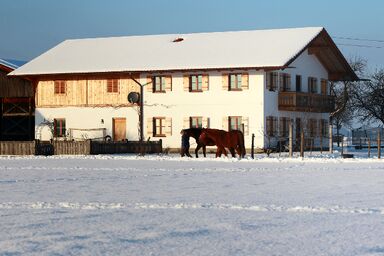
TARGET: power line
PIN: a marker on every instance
(361, 45)
(358, 39)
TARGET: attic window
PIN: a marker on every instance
(178, 39)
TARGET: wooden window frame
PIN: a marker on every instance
(162, 84)
(113, 86)
(324, 83)
(285, 85)
(284, 127)
(161, 126)
(238, 123)
(62, 127)
(272, 81)
(299, 83)
(197, 119)
(237, 82)
(60, 87)
(271, 126)
(312, 84)
(197, 86)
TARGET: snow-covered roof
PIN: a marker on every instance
(257, 48)
(12, 64)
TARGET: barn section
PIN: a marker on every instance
(17, 118)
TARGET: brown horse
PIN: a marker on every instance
(233, 140)
(195, 133)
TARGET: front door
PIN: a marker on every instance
(119, 129)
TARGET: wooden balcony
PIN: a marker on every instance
(306, 102)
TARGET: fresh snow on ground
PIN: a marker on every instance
(167, 205)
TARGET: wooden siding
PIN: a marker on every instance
(14, 86)
(85, 93)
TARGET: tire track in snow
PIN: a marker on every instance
(213, 206)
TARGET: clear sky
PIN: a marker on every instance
(30, 27)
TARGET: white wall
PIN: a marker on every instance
(86, 118)
(216, 103)
(255, 103)
(307, 66)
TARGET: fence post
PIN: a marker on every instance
(330, 139)
(290, 139)
(378, 145)
(252, 146)
(342, 146)
(369, 147)
(302, 144)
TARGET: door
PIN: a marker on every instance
(119, 129)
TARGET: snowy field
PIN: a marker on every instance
(125, 205)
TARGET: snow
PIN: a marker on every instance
(239, 49)
(167, 205)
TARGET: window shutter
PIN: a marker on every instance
(275, 80)
(224, 81)
(288, 82)
(168, 83)
(281, 126)
(275, 125)
(186, 82)
(268, 81)
(149, 84)
(168, 126)
(246, 125)
(149, 127)
(281, 82)
(205, 122)
(326, 128)
(205, 86)
(225, 123)
(186, 122)
(244, 81)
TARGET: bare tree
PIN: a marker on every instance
(343, 92)
(369, 98)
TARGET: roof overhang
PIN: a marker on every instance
(326, 51)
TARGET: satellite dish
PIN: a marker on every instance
(134, 97)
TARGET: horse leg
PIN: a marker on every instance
(187, 152)
(197, 150)
(232, 150)
(204, 151)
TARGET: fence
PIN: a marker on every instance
(17, 147)
(120, 147)
(361, 137)
(78, 147)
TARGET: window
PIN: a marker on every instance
(272, 79)
(60, 87)
(298, 128)
(298, 83)
(159, 126)
(285, 82)
(159, 83)
(284, 126)
(324, 127)
(196, 83)
(235, 82)
(235, 123)
(312, 84)
(312, 128)
(324, 86)
(196, 122)
(113, 85)
(271, 125)
(59, 127)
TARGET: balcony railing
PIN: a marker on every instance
(306, 102)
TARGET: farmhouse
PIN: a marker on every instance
(17, 118)
(256, 81)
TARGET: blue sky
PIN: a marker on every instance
(30, 27)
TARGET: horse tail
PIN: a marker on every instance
(242, 144)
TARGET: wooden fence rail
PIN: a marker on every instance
(78, 147)
(17, 147)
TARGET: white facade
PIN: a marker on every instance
(215, 104)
